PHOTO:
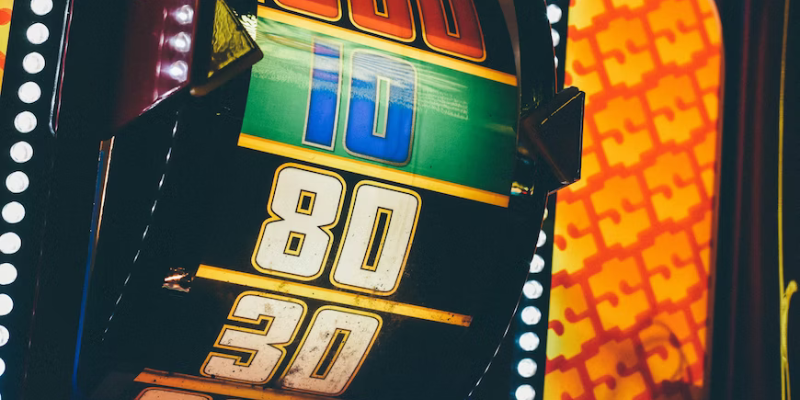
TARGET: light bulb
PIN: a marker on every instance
(531, 315)
(4, 335)
(25, 122)
(29, 92)
(184, 15)
(556, 37)
(178, 70)
(6, 304)
(41, 7)
(10, 243)
(13, 212)
(21, 152)
(542, 239)
(532, 289)
(526, 368)
(525, 392)
(537, 264)
(38, 33)
(554, 13)
(529, 341)
(8, 274)
(17, 182)
(181, 42)
(33, 63)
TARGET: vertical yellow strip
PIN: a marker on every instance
(5, 25)
(786, 390)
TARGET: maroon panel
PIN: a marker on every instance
(157, 55)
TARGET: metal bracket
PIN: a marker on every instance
(552, 135)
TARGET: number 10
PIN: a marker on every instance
(379, 119)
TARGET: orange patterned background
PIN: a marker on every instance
(633, 238)
(5, 24)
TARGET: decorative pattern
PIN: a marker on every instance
(5, 25)
(633, 237)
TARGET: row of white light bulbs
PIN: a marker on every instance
(181, 42)
(554, 14)
(25, 122)
(531, 315)
(21, 152)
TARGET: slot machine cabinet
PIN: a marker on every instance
(354, 217)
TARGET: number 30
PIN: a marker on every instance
(329, 356)
(305, 203)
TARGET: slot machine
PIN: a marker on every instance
(279, 199)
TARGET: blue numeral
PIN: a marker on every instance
(380, 119)
(380, 112)
(323, 102)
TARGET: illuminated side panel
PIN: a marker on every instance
(633, 238)
(5, 24)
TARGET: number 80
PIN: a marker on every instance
(305, 204)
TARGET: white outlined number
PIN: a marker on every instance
(283, 316)
(377, 238)
(304, 204)
(332, 350)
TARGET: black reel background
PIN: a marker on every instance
(149, 323)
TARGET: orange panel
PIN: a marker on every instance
(633, 239)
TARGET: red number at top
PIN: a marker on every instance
(452, 27)
(326, 9)
(391, 18)
(448, 26)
